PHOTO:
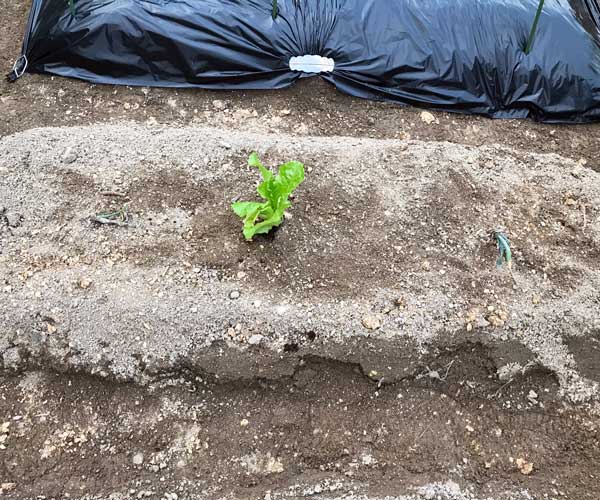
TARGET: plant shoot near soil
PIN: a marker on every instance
(260, 218)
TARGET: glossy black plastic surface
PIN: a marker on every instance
(456, 55)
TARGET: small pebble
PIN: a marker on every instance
(6, 487)
(427, 117)
(218, 104)
(84, 283)
(13, 219)
(69, 156)
(371, 322)
(255, 339)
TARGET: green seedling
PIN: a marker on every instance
(260, 218)
(118, 218)
(504, 253)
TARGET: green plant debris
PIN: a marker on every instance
(536, 20)
(71, 6)
(260, 218)
(274, 9)
(118, 218)
(504, 253)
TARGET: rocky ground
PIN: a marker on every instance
(369, 348)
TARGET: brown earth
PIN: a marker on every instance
(347, 227)
(328, 428)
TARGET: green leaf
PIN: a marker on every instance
(260, 218)
(254, 161)
(250, 230)
(504, 252)
(246, 208)
(267, 190)
(291, 174)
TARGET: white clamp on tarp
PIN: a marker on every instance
(312, 64)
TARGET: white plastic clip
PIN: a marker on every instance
(312, 64)
(19, 67)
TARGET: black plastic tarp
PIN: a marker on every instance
(456, 55)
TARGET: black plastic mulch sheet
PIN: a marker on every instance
(455, 55)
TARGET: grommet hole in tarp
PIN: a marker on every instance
(312, 64)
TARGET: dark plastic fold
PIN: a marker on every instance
(454, 55)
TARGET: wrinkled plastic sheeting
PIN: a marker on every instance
(455, 55)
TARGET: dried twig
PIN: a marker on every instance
(448, 370)
(497, 393)
(115, 194)
(434, 374)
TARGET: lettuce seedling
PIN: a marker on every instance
(260, 218)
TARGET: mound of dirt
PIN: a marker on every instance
(369, 347)
(386, 259)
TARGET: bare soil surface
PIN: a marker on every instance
(374, 350)
(325, 432)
